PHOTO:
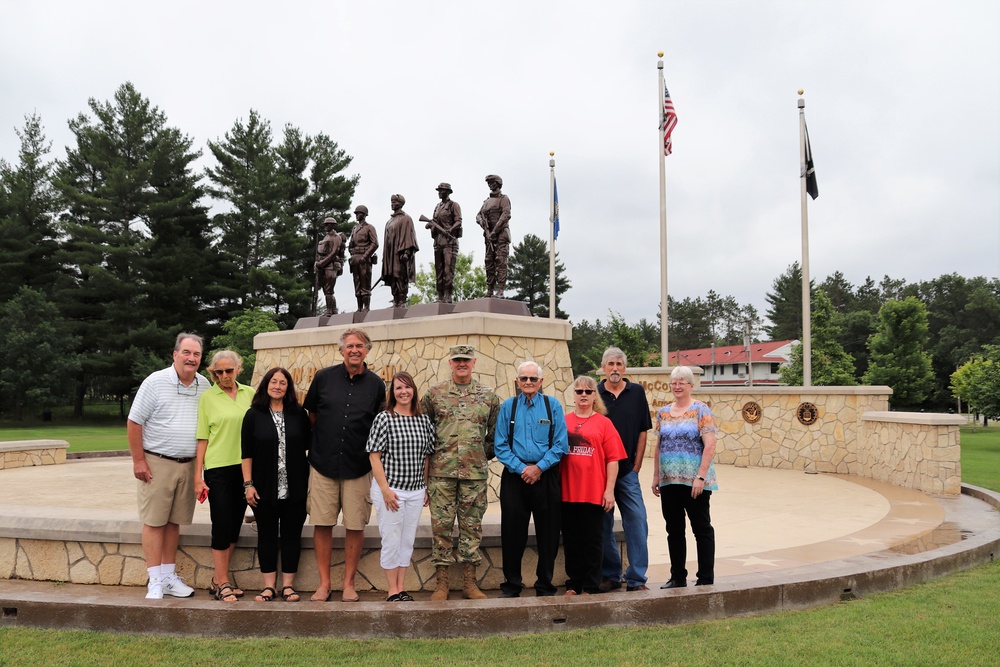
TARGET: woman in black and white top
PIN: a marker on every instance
(399, 445)
(276, 434)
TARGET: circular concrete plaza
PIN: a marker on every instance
(785, 540)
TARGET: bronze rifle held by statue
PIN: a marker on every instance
(434, 226)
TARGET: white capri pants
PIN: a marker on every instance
(398, 529)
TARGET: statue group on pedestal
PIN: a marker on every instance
(400, 248)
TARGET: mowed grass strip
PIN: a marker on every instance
(951, 621)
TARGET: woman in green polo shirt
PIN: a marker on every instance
(218, 463)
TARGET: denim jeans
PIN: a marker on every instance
(628, 498)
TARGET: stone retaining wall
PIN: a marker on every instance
(23, 453)
(851, 432)
(112, 563)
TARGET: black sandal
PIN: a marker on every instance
(288, 596)
(394, 598)
(264, 597)
(405, 597)
(224, 591)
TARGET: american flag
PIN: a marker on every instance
(668, 120)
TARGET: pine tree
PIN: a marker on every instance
(528, 276)
(136, 241)
(470, 282)
(28, 208)
(785, 305)
(831, 366)
(898, 354)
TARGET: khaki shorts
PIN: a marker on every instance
(328, 497)
(169, 497)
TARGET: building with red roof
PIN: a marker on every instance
(731, 364)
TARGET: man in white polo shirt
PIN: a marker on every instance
(161, 439)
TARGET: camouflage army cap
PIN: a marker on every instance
(461, 352)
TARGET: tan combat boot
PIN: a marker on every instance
(441, 592)
(469, 587)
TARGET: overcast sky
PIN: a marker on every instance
(902, 101)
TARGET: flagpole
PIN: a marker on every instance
(552, 235)
(806, 309)
(664, 341)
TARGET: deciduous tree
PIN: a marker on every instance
(897, 353)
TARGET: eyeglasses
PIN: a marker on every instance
(224, 371)
(588, 392)
(678, 383)
(188, 390)
(528, 378)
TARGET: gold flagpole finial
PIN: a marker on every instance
(552, 153)
(659, 54)
(801, 91)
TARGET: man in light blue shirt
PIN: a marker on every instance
(530, 440)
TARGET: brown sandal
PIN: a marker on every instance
(264, 597)
(291, 596)
(224, 592)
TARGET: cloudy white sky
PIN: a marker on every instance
(903, 106)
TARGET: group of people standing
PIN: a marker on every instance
(353, 444)
(400, 246)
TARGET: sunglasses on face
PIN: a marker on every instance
(588, 392)
(528, 378)
(224, 371)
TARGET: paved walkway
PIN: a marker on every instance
(764, 519)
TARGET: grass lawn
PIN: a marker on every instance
(82, 437)
(954, 620)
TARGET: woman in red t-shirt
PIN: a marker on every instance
(588, 474)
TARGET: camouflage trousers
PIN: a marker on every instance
(465, 499)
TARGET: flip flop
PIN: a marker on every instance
(264, 597)
(288, 596)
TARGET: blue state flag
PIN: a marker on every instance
(555, 210)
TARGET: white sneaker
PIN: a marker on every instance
(176, 587)
(154, 589)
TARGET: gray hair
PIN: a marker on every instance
(360, 333)
(183, 336)
(613, 353)
(225, 354)
(520, 368)
(682, 373)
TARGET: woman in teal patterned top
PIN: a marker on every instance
(684, 478)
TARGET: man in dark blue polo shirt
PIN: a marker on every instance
(342, 402)
(628, 410)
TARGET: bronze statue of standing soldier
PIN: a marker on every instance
(494, 218)
(329, 263)
(364, 243)
(398, 263)
(446, 229)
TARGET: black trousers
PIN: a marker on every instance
(520, 502)
(583, 546)
(675, 501)
(279, 528)
(227, 504)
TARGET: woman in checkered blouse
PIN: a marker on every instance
(399, 444)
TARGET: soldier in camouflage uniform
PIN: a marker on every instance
(464, 413)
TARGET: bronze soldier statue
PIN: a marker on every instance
(329, 263)
(398, 263)
(446, 229)
(364, 243)
(494, 218)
